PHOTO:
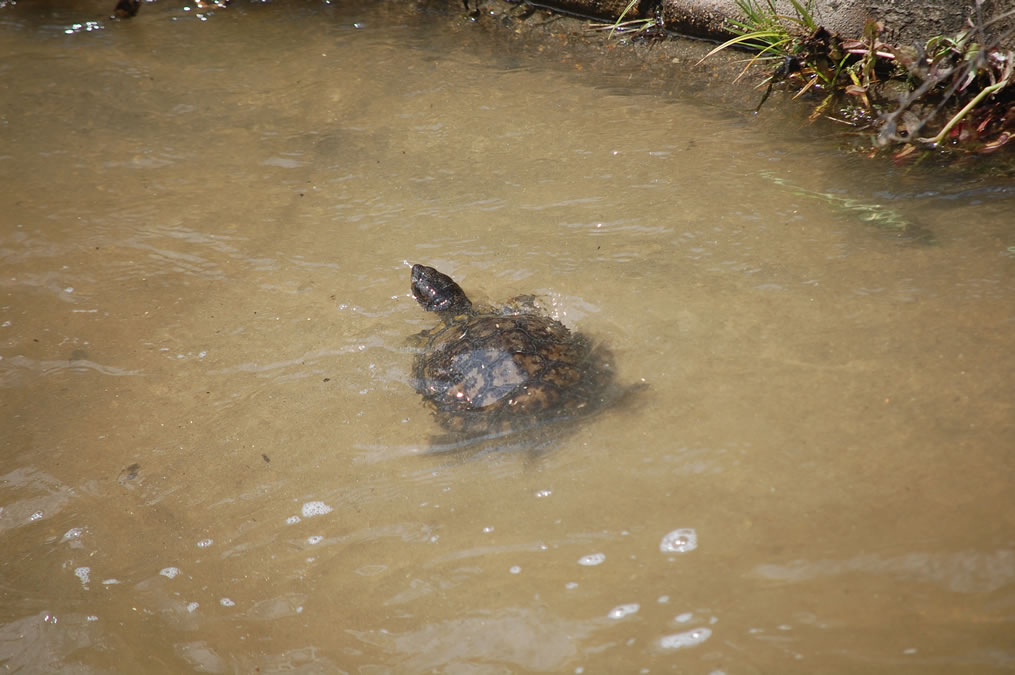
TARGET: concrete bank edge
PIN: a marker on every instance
(905, 21)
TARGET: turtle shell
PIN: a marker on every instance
(500, 372)
(487, 371)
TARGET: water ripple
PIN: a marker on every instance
(13, 368)
(963, 572)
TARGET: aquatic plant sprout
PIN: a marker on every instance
(764, 30)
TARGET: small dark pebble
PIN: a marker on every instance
(129, 474)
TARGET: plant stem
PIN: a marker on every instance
(986, 91)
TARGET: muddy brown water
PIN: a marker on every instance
(212, 456)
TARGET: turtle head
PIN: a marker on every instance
(437, 292)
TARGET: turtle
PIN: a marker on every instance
(491, 371)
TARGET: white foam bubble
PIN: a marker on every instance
(679, 541)
(292, 520)
(192, 607)
(82, 573)
(226, 602)
(688, 639)
(311, 509)
(683, 618)
(592, 559)
(205, 543)
(620, 611)
(169, 572)
(72, 533)
(316, 539)
(515, 570)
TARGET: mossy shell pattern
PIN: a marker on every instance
(499, 372)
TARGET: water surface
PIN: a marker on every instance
(213, 459)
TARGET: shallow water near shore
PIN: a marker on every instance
(213, 459)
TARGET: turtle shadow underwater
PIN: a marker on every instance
(505, 377)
